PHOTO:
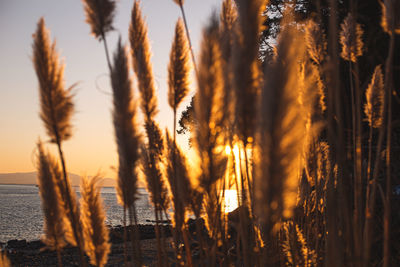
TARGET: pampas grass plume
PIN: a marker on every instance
(375, 96)
(228, 14)
(126, 129)
(140, 47)
(315, 42)
(179, 181)
(55, 101)
(93, 219)
(179, 67)
(390, 17)
(350, 39)
(99, 15)
(281, 134)
(208, 108)
(55, 220)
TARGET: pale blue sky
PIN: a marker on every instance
(92, 147)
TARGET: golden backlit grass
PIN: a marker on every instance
(263, 128)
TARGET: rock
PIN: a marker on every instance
(13, 244)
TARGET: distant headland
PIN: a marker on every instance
(30, 178)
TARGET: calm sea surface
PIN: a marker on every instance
(21, 214)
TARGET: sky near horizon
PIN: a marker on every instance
(92, 147)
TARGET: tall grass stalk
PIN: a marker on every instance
(352, 46)
(280, 136)
(55, 227)
(152, 153)
(56, 111)
(180, 4)
(394, 28)
(128, 139)
(209, 146)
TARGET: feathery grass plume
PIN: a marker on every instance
(374, 95)
(56, 111)
(55, 101)
(246, 69)
(208, 136)
(126, 129)
(178, 68)
(208, 109)
(295, 247)
(181, 192)
(140, 47)
(315, 42)
(100, 15)
(281, 133)
(55, 220)
(228, 14)
(316, 47)
(93, 219)
(151, 158)
(4, 261)
(390, 16)
(228, 19)
(350, 39)
(178, 180)
(127, 138)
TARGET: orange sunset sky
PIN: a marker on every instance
(91, 148)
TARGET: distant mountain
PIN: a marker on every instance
(31, 178)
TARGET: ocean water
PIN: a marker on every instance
(21, 214)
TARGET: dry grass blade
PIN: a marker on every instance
(55, 220)
(126, 129)
(55, 101)
(99, 15)
(140, 48)
(375, 95)
(179, 67)
(350, 39)
(93, 219)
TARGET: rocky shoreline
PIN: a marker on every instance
(34, 253)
